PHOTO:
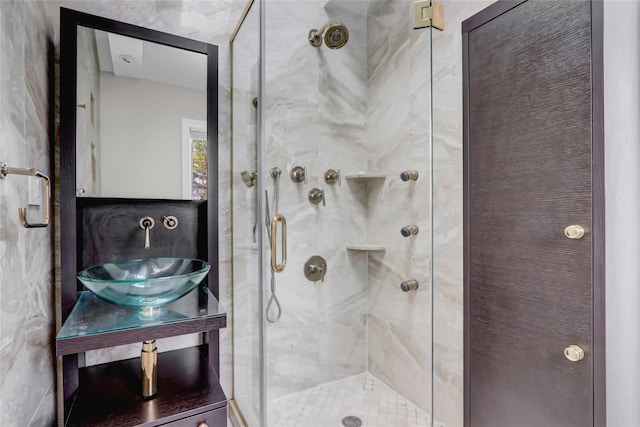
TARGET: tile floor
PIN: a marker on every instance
(362, 395)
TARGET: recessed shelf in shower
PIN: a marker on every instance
(366, 247)
(366, 176)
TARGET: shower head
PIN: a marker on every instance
(248, 178)
(336, 35)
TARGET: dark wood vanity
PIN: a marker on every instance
(98, 229)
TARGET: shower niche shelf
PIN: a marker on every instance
(365, 176)
(366, 247)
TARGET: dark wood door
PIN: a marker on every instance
(529, 174)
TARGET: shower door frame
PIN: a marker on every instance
(262, 172)
(235, 411)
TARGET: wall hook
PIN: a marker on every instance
(22, 212)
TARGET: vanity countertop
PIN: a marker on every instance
(94, 323)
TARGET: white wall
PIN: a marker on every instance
(141, 135)
(622, 195)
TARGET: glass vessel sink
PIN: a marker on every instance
(146, 283)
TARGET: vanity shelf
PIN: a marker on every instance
(95, 324)
(365, 247)
(366, 176)
(188, 393)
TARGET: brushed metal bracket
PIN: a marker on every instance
(428, 14)
(6, 170)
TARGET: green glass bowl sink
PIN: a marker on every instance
(146, 283)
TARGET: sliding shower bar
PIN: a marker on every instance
(22, 212)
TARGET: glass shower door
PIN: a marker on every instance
(246, 296)
(341, 122)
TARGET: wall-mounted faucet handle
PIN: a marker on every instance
(409, 175)
(147, 223)
(331, 176)
(170, 222)
(409, 285)
(298, 174)
(316, 195)
(409, 230)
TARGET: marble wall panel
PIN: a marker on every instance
(315, 109)
(447, 204)
(399, 324)
(26, 270)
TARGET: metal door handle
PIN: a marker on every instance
(274, 225)
(574, 231)
(574, 353)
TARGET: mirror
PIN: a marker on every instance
(141, 118)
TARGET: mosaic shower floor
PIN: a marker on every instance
(362, 395)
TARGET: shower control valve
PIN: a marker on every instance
(315, 268)
(331, 176)
(409, 230)
(298, 174)
(409, 175)
(316, 195)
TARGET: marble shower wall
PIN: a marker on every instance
(315, 110)
(399, 324)
(27, 373)
(447, 204)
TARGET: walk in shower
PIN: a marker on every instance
(340, 96)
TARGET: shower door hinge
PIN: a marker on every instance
(428, 14)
